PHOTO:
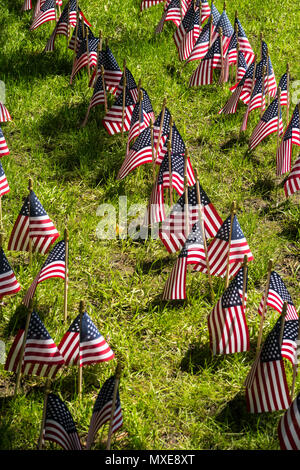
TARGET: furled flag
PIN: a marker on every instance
(266, 385)
(4, 113)
(218, 249)
(149, 3)
(289, 427)
(41, 356)
(290, 137)
(67, 19)
(141, 116)
(267, 125)
(91, 347)
(4, 187)
(46, 13)
(86, 56)
(277, 295)
(227, 31)
(203, 75)
(141, 151)
(102, 411)
(114, 120)
(192, 253)
(187, 33)
(54, 266)
(172, 231)
(33, 223)
(3, 145)
(292, 184)
(228, 330)
(244, 43)
(174, 10)
(27, 5)
(257, 100)
(8, 282)
(59, 425)
(112, 71)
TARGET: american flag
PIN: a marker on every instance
(283, 90)
(187, 32)
(32, 223)
(92, 345)
(112, 121)
(54, 266)
(241, 66)
(41, 356)
(141, 116)
(218, 249)
(102, 411)
(240, 91)
(270, 80)
(149, 3)
(81, 35)
(59, 424)
(244, 43)
(3, 145)
(289, 427)
(192, 253)
(228, 330)
(131, 85)
(203, 75)
(201, 46)
(8, 282)
(46, 13)
(4, 188)
(267, 125)
(27, 5)
(292, 184)
(257, 100)
(266, 385)
(227, 31)
(87, 55)
(290, 137)
(112, 71)
(277, 295)
(98, 96)
(172, 12)
(67, 19)
(231, 56)
(172, 232)
(4, 113)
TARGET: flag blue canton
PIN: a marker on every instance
(129, 101)
(57, 411)
(4, 264)
(88, 331)
(231, 296)
(224, 231)
(294, 124)
(225, 24)
(166, 122)
(130, 81)
(271, 350)
(271, 112)
(57, 254)
(283, 82)
(277, 285)
(195, 238)
(106, 395)
(37, 329)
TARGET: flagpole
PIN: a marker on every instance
(295, 366)
(141, 97)
(66, 236)
(87, 51)
(46, 393)
(200, 17)
(170, 162)
(222, 57)
(264, 307)
(245, 268)
(252, 87)
(283, 315)
(210, 26)
(263, 99)
(186, 197)
(68, 23)
(237, 39)
(201, 222)
(30, 187)
(288, 92)
(233, 212)
(161, 125)
(152, 146)
(81, 312)
(124, 94)
(113, 406)
(19, 369)
(268, 86)
(237, 62)
(278, 117)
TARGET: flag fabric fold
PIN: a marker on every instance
(292, 184)
(289, 427)
(267, 125)
(290, 137)
(4, 187)
(8, 282)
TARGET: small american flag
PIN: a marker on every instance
(277, 295)
(270, 80)
(227, 31)
(92, 345)
(203, 75)
(267, 125)
(32, 223)
(257, 100)
(292, 184)
(41, 355)
(227, 324)
(3, 145)
(173, 10)
(289, 427)
(131, 85)
(149, 3)
(201, 46)
(8, 282)
(141, 117)
(172, 232)
(102, 411)
(187, 32)
(191, 253)
(98, 96)
(80, 36)
(59, 424)
(283, 90)
(46, 13)
(266, 385)
(244, 43)
(4, 188)
(218, 249)
(231, 57)
(112, 71)
(54, 266)
(4, 113)
(27, 5)
(112, 121)
(290, 137)
(86, 56)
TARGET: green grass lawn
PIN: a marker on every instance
(174, 393)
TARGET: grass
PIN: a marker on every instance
(174, 393)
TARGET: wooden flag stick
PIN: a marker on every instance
(66, 236)
(30, 187)
(153, 156)
(124, 95)
(170, 162)
(264, 307)
(295, 366)
(186, 197)
(19, 369)
(87, 51)
(222, 57)
(141, 97)
(283, 315)
(268, 85)
(288, 92)
(278, 117)
(261, 44)
(200, 17)
(263, 99)
(104, 89)
(113, 405)
(245, 269)
(233, 212)
(161, 125)
(46, 393)
(211, 27)
(237, 62)
(201, 222)
(81, 311)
